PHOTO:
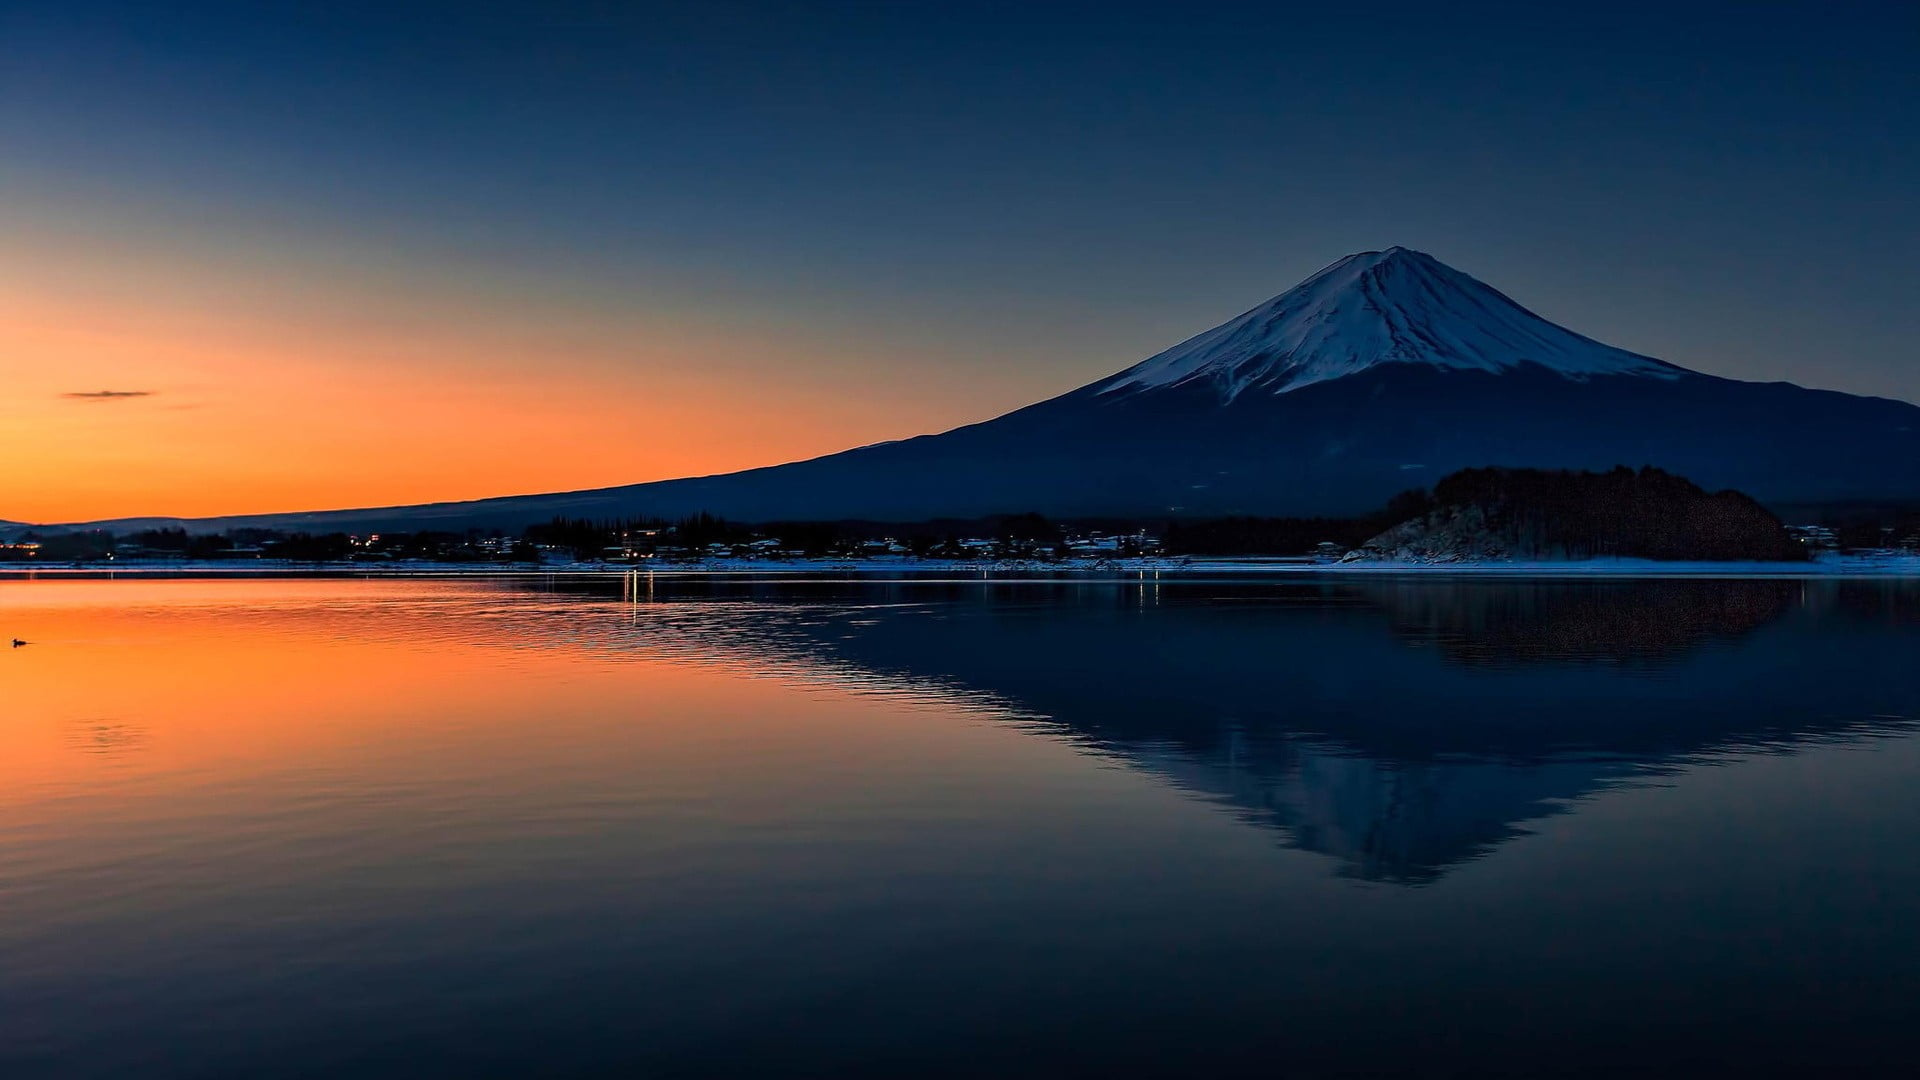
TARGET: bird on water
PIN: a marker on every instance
(17, 643)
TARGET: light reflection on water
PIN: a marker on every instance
(574, 826)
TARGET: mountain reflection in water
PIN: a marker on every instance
(1400, 727)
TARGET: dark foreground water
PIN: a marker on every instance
(547, 828)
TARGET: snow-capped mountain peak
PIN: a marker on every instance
(1396, 306)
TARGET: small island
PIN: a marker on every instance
(1494, 515)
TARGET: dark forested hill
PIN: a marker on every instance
(1561, 514)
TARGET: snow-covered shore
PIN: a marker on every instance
(1883, 565)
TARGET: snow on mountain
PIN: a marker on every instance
(1377, 307)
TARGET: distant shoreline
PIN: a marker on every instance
(1901, 565)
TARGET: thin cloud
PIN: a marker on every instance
(106, 395)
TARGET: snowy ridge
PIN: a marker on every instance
(1377, 307)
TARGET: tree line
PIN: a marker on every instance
(1623, 511)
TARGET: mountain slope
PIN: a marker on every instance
(1385, 371)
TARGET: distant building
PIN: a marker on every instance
(1107, 546)
(1817, 537)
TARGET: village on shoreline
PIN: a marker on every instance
(908, 568)
(1622, 522)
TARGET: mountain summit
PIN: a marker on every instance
(1385, 371)
(1396, 306)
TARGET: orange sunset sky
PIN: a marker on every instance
(297, 377)
(297, 372)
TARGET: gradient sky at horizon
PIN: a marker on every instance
(331, 254)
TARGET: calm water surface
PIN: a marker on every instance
(551, 827)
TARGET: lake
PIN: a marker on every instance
(752, 827)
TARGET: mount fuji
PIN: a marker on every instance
(1384, 371)
(1372, 309)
